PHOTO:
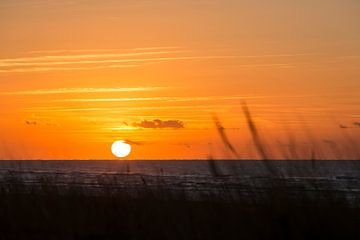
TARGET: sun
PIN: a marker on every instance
(120, 148)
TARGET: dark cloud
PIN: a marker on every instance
(157, 123)
(329, 142)
(31, 122)
(187, 145)
(40, 122)
(356, 124)
(134, 142)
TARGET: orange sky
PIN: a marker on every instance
(77, 75)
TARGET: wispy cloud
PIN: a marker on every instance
(90, 59)
(23, 61)
(102, 50)
(155, 59)
(167, 99)
(268, 65)
(81, 90)
(48, 58)
(92, 64)
(206, 107)
(175, 99)
(47, 69)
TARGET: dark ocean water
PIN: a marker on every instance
(243, 168)
(300, 178)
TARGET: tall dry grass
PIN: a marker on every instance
(52, 211)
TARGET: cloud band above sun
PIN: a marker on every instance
(157, 123)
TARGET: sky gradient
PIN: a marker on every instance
(77, 75)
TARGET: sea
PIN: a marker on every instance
(315, 178)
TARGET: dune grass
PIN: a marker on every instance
(49, 211)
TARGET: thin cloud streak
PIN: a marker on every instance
(167, 99)
(111, 61)
(102, 50)
(34, 60)
(119, 109)
(82, 90)
(154, 60)
(175, 99)
(47, 69)
(141, 60)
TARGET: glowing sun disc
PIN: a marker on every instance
(120, 148)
